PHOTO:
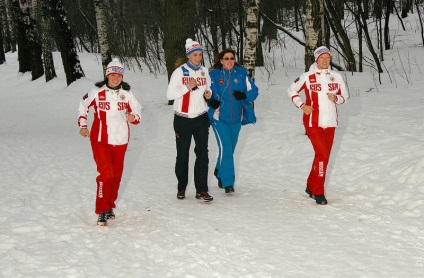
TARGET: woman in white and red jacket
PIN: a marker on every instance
(189, 88)
(114, 106)
(324, 89)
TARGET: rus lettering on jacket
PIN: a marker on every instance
(201, 81)
(315, 87)
(104, 105)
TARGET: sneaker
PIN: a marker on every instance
(320, 199)
(205, 196)
(110, 214)
(309, 192)
(102, 219)
(181, 194)
(229, 189)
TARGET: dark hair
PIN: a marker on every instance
(220, 55)
(124, 85)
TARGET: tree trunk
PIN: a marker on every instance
(340, 31)
(37, 69)
(360, 15)
(241, 19)
(269, 31)
(2, 56)
(64, 40)
(24, 46)
(214, 16)
(176, 31)
(102, 34)
(421, 20)
(5, 42)
(11, 24)
(314, 34)
(386, 25)
(49, 69)
(406, 7)
(252, 9)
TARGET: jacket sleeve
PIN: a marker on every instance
(252, 90)
(134, 108)
(342, 94)
(214, 86)
(175, 87)
(293, 91)
(87, 101)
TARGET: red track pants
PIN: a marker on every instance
(110, 164)
(322, 142)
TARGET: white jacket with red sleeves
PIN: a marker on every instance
(188, 103)
(110, 124)
(316, 84)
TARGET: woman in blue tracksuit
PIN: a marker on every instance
(232, 93)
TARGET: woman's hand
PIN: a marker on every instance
(131, 118)
(193, 84)
(84, 132)
(307, 109)
(331, 97)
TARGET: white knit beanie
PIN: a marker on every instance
(115, 67)
(192, 46)
(321, 50)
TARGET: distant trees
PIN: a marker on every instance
(153, 32)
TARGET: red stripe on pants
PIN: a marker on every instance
(322, 142)
(110, 165)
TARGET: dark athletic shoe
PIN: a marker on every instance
(229, 189)
(102, 219)
(181, 194)
(205, 196)
(309, 192)
(320, 199)
(110, 214)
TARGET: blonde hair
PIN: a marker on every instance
(180, 61)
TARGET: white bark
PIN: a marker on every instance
(312, 30)
(102, 33)
(252, 8)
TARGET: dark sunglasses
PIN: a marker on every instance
(226, 58)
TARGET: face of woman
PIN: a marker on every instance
(228, 61)
(195, 58)
(323, 61)
(114, 79)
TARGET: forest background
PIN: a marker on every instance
(153, 32)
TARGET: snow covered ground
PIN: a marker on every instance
(372, 226)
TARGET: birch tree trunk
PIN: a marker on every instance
(102, 34)
(252, 10)
(314, 32)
